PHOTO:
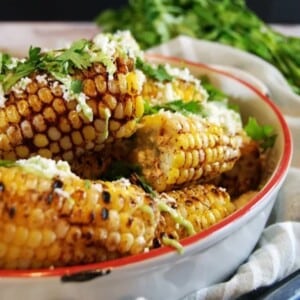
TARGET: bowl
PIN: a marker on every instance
(163, 273)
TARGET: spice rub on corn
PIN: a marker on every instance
(50, 217)
(190, 210)
(174, 150)
(62, 103)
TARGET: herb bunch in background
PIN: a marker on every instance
(229, 22)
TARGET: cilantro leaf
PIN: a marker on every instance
(214, 94)
(23, 69)
(159, 73)
(261, 133)
(7, 163)
(76, 86)
(191, 107)
(76, 56)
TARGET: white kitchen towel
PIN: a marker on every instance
(277, 254)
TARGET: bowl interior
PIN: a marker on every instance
(252, 102)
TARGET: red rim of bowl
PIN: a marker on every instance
(133, 259)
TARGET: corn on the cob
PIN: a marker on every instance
(200, 206)
(182, 86)
(174, 150)
(41, 115)
(64, 220)
(246, 174)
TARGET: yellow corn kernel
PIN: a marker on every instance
(45, 95)
(22, 151)
(76, 138)
(89, 88)
(12, 114)
(4, 142)
(32, 87)
(59, 105)
(64, 125)
(49, 115)
(34, 103)
(101, 84)
(88, 133)
(21, 236)
(26, 129)
(119, 111)
(39, 123)
(110, 101)
(65, 142)
(40, 140)
(54, 148)
(3, 119)
(14, 135)
(45, 153)
(54, 134)
(139, 107)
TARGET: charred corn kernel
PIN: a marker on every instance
(45, 95)
(12, 114)
(75, 120)
(101, 84)
(45, 153)
(110, 101)
(66, 221)
(32, 87)
(119, 111)
(14, 135)
(125, 131)
(195, 207)
(27, 130)
(49, 115)
(11, 155)
(54, 148)
(39, 123)
(22, 151)
(65, 143)
(113, 86)
(172, 148)
(34, 103)
(4, 143)
(23, 108)
(54, 134)
(3, 119)
(89, 133)
(40, 140)
(89, 88)
(59, 105)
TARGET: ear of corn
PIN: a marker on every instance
(201, 206)
(40, 117)
(174, 150)
(67, 221)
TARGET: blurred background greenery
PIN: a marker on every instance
(275, 11)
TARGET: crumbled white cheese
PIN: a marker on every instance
(21, 85)
(41, 79)
(141, 79)
(183, 73)
(121, 42)
(218, 113)
(47, 167)
(13, 63)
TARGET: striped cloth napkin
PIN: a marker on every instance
(277, 254)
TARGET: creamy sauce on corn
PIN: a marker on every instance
(46, 167)
(173, 243)
(177, 218)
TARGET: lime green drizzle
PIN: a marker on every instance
(147, 209)
(173, 243)
(177, 218)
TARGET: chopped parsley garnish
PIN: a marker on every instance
(7, 163)
(264, 134)
(191, 107)
(158, 73)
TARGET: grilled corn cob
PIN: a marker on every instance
(63, 116)
(174, 150)
(198, 206)
(181, 85)
(53, 218)
(246, 174)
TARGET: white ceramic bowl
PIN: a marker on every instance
(208, 257)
